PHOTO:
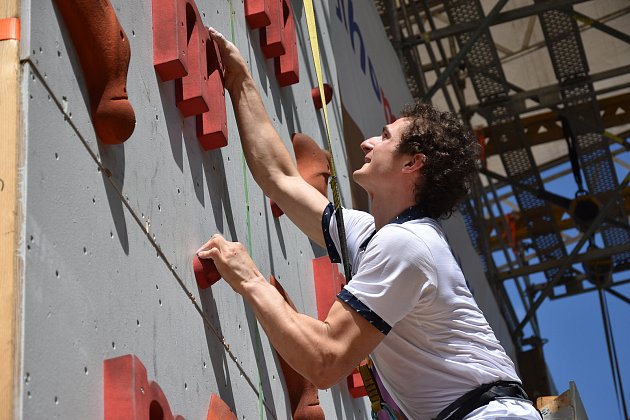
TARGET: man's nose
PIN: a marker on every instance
(368, 145)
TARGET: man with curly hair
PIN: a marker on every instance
(407, 305)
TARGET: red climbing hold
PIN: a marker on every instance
(355, 384)
(302, 394)
(206, 273)
(328, 282)
(129, 394)
(287, 66)
(257, 13)
(272, 35)
(104, 53)
(317, 96)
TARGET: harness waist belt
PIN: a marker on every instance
(479, 397)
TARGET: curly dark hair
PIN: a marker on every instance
(452, 153)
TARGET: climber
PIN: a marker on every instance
(407, 305)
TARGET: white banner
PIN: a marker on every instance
(371, 82)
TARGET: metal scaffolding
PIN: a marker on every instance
(534, 244)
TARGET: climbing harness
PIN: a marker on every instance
(369, 381)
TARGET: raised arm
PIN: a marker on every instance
(267, 157)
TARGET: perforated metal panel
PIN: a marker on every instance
(583, 115)
(489, 82)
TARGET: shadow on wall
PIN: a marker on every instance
(173, 120)
(216, 181)
(113, 174)
(103, 67)
(216, 351)
(219, 360)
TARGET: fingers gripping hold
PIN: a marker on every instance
(206, 273)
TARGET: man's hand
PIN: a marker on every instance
(236, 69)
(233, 262)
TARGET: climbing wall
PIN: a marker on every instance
(111, 309)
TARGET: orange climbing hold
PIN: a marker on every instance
(312, 164)
(219, 410)
(9, 29)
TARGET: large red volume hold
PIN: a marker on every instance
(206, 273)
(104, 54)
(302, 394)
(129, 395)
(312, 164)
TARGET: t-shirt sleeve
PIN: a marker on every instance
(396, 270)
(358, 226)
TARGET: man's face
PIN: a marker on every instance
(382, 161)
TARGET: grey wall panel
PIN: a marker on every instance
(88, 298)
(96, 286)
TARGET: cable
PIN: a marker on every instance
(334, 184)
(368, 378)
(612, 354)
(257, 348)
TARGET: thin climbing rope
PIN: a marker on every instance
(257, 348)
(347, 268)
(334, 184)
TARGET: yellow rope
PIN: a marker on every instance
(334, 183)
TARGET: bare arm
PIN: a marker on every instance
(267, 157)
(322, 352)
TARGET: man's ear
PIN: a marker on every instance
(414, 163)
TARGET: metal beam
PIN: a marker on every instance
(504, 17)
(618, 295)
(553, 91)
(550, 197)
(569, 261)
(454, 63)
(587, 256)
(600, 26)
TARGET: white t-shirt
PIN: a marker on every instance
(406, 282)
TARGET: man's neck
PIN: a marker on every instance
(384, 209)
